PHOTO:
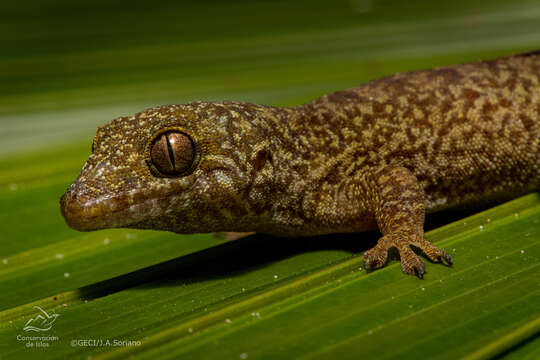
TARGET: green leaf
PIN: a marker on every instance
(309, 298)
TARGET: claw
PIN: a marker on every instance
(448, 258)
(411, 263)
(419, 273)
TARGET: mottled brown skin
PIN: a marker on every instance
(377, 156)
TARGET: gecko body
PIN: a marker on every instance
(378, 156)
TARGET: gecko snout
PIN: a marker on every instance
(83, 212)
(86, 211)
(77, 211)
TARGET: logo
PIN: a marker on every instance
(42, 322)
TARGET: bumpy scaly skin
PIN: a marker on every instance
(376, 156)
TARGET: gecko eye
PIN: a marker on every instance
(172, 153)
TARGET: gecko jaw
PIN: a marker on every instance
(108, 212)
(85, 215)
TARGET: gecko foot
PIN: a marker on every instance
(410, 261)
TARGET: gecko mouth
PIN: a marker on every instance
(83, 214)
(85, 209)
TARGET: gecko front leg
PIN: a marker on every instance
(398, 204)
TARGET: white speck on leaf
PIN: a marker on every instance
(106, 241)
(243, 356)
(59, 256)
(66, 274)
(5, 261)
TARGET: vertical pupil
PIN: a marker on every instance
(171, 153)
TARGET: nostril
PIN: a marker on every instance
(75, 195)
(80, 198)
(73, 208)
(71, 200)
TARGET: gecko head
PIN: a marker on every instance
(199, 167)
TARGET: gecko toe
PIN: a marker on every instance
(433, 253)
(375, 258)
(448, 258)
(411, 263)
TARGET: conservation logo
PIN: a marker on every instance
(41, 322)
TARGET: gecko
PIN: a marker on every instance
(378, 156)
